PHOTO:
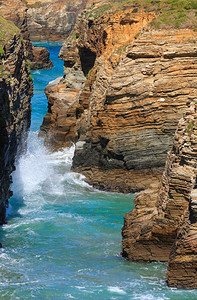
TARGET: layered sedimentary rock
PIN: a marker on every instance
(129, 104)
(52, 20)
(183, 258)
(131, 128)
(57, 127)
(16, 11)
(163, 224)
(16, 89)
(137, 93)
(88, 52)
(40, 59)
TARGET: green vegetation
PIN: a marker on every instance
(28, 64)
(192, 41)
(1, 51)
(37, 4)
(122, 48)
(99, 11)
(3, 71)
(89, 74)
(29, 79)
(7, 31)
(190, 127)
(74, 36)
(169, 13)
(11, 81)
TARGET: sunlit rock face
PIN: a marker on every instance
(134, 108)
(131, 94)
(162, 227)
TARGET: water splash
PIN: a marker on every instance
(41, 171)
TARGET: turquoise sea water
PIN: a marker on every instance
(63, 238)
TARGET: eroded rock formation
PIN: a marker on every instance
(40, 58)
(182, 264)
(16, 11)
(132, 93)
(163, 224)
(131, 128)
(16, 89)
(52, 20)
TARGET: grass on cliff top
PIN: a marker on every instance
(37, 4)
(170, 13)
(7, 31)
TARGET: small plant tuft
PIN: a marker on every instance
(190, 127)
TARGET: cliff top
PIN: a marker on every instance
(40, 3)
(7, 30)
(170, 13)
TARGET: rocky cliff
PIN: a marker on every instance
(131, 92)
(182, 264)
(16, 89)
(163, 224)
(88, 41)
(52, 20)
(16, 11)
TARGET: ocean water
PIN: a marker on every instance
(63, 238)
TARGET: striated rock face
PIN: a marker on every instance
(150, 229)
(52, 20)
(16, 89)
(132, 91)
(16, 11)
(133, 120)
(163, 224)
(57, 129)
(90, 47)
(183, 258)
(133, 112)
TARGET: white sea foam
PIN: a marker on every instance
(44, 177)
(116, 289)
(77, 179)
(36, 72)
(37, 170)
(62, 156)
(147, 296)
(26, 222)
